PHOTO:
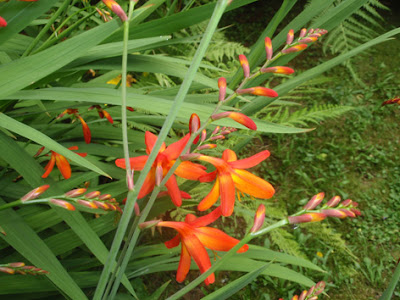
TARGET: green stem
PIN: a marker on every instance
(132, 194)
(11, 204)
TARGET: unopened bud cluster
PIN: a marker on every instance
(20, 268)
(312, 293)
(333, 208)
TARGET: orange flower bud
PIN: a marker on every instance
(5, 269)
(194, 125)
(102, 205)
(245, 65)
(216, 130)
(303, 32)
(116, 8)
(218, 137)
(346, 202)
(349, 213)
(258, 91)
(149, 224)
(75, 193)
(308, 40)
(63, 204)
(290, 37)
(104, 197)
(207, 146)
(222, 88)
(315, 201)
(35, 193)
(238, 117)
(278, 70)
(87, 203)
(303, 295)
(334, 201)
(203, 135)
(16, 264)
(259, 218)
(306, 218)
(296, 48)
(159, 175)
(335, 213)
(137, 209)
(92, 195)
(268, 48)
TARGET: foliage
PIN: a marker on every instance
(60, 55)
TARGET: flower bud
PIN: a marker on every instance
(222, 88)
(258, 91)
(303, 295)
(293, 49)
(348, 213)
(87, 203)
(303, 32)
(315, 201)
(189, 156)
(290, 37)
(116, 8)
(319, 288)
(206, 146)
(35, 193)
(238, 117)
(203, 135)
(218, 137)
(92, 195)
(3, 23)
(277, 70)
(346, 202)
(306, 218)
(216, 129)
(129, 180)
(245, 65)
(310, 31)
(335, 213)
(194, 125)
(63, 204)
(5, 269)
(268, 48)
(259, 218)
(75, 193)
(137, 209)
(333, 202)
(159, 175)
(102, 205)
(308, 40)
(16, 264)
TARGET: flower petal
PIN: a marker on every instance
(86, 131)
(184, 264)
(173, 191)
(229, 155)
(227, 192)
(208, 177)
(63, 165)
(50, 165)
(207, 219)
(137, 163)
(174, 242)
(249, 183)
(250, 161)
(211, 198)
(189, 170)
(199, 254)
(148, 184)
(174, 150)
(150, 139)
(217, 240)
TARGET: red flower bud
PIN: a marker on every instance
(238, 117)
(306, 218)
(303, 32)
(315, 201)
(75, 193)
(290, 37)
(259, 218)
(259, 91)
(222, 88)
(3, 23)
(35, 193)
(92, 195)
(245, 65)
(334, 201)
(63, 204)
(277, 70)
(268, 48)
(296, 48)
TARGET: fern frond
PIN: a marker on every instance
(314, 114)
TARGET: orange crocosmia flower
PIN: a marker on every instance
(195, 238)
(165, 159)
(61, 162)
(230, 175)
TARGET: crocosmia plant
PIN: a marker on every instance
(163, 183)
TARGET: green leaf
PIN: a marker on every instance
(22, 72)
(20, 14)
(236, 285)
(387, 294)
(23, 239)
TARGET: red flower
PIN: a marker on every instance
(162, 164)
(85, 128)
(230, 175)
(195, 239)
(61, 162)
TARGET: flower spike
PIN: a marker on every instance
(268, 48)
(259, 91)
(238, 117)
(245, 65)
